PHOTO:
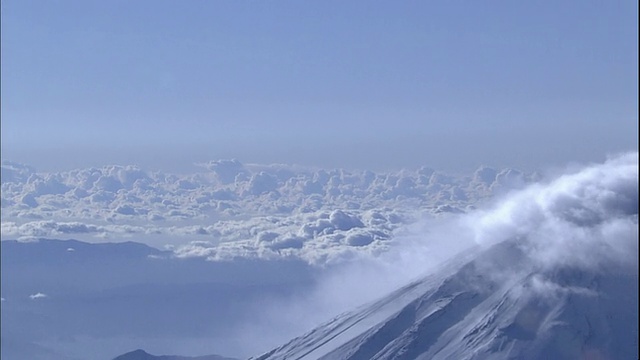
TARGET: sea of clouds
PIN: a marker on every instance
(229, 210)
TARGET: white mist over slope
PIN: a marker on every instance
(555, 260)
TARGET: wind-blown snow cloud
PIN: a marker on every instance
(585, 218)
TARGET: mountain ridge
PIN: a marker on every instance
(140, 354)
(467, 315)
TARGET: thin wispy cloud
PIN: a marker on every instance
(37, 296)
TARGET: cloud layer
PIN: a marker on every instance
(231, 210)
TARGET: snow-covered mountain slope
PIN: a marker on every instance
(553, 275)
(566, 313)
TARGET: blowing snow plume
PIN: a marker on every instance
(549, 272)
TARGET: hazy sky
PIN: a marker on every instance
(366, 84)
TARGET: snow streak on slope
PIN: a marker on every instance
(554, 274)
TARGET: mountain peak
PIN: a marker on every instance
(140, 354)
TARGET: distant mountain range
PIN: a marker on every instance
(143, 355)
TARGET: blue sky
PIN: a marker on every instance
(366, 84)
